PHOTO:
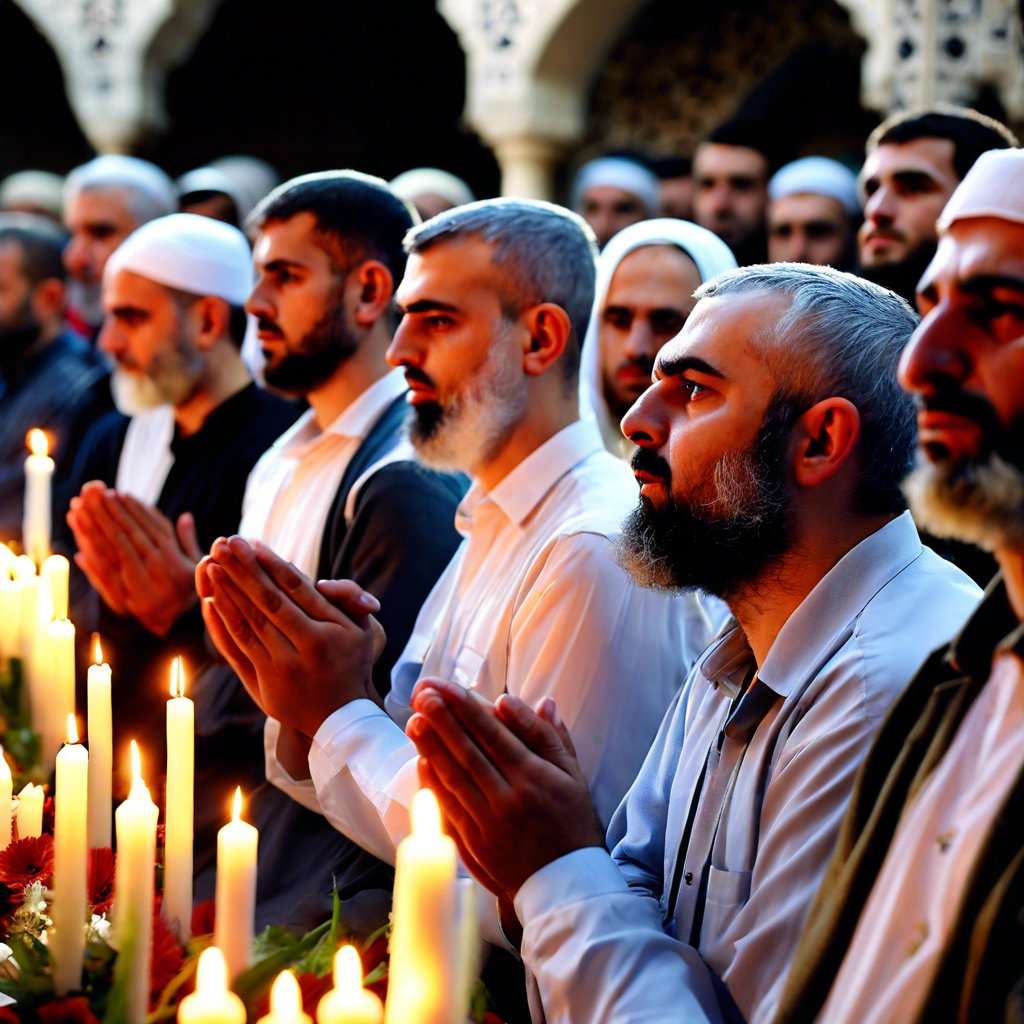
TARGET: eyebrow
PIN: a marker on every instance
(426, 306)
(990, 282)
(674, 367)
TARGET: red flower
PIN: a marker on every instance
(167, 959)
(8, 1016)
(49, 813)
(203, 917)
(26, 861)
(74, 1010)
(374, 954)
(101, 879)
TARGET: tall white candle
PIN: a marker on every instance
(56, 572)
(134, 879)
(29, 813)
(423, 976)
(6, 801)
(60, 691)
(212, 1002)
(39, 670)
(286, 1002)
(37, 519)
(348, 1002)
(66, 939)
(236, 890)
(178, 821)
(10, 616)
(101, 749)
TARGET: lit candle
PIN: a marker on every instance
(6, 801)
(423, 983)
(29, 813)
(37, 522)
(348, 1002)
(178, 820)
(56, 573)
(236, 890)
(10, 615)
(134, 879)
(212, 1002)
(101, 749)
(59, 701)
(70, 858)
(286, 1002)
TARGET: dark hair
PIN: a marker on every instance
(238, 319)
(41, 243)
(358, 217)
(970, 132)
(673, 167)
(746, 134)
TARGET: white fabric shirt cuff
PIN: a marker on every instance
(580, 875)
(300, 790)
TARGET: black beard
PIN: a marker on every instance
(691, 547)
(327, 345)
(902, 277)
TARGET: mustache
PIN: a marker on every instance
(949, 398)
(646, 461)
(267, 326)
(414, 373)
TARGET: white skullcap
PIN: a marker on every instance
(114, 171)
(192, 253)
(431, 181)
(617, 172)
(818, 176)
(213, 179)
(255, 176)
(993, 187)
(40, 188)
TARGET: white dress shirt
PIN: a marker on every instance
(606, 936)
(146, 457)
(533, 604)
(905, 924)
(292, 487)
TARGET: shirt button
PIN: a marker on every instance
(688, 878)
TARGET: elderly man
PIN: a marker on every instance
(104, 201)
(813, 212)
(494, 299)
(772, 445)
(920, 916)
(612, 192)
(646, 277)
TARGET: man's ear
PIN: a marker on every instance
(549, 331)
(826, 437)
(375, 288)
(48, 299)
(213, 317)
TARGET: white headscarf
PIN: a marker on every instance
(711, 255)
(993, 187)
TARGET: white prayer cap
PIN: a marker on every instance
(617, 172)
(422, 181)
(115, 171)
(37, 188)
(817, 175)
(213, 179)
(254, 175)
(191, 253)
(993, 187)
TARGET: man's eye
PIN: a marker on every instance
(440, 322)
(992, 312)
(693, 389)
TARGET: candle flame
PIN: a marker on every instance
(236, 805)
(177, 677)
(212, 972)
(285, 997)
(72, 729)
(348, 971)
(97, 650)
(425, 814)
(38, 442)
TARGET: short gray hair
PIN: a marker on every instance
(841, 336)
(149, 192)
(546, 253)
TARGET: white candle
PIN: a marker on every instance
(10, 616)
(178, 820)
(29, 813)
(37, 521)
(212, 1002)
(423, 977)
(101, 749)
(59, 700)
(56, 572)
(348, 1002)
(236, 890)
(286, 1002)
(134, 879)
(70, 859)
(6, 801)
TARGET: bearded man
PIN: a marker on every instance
(772, 445)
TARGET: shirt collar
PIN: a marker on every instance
(820, 620)
(526, 486)
(992, 626)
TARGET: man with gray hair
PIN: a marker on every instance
(105, 200)
(772, 445)
(495, 298)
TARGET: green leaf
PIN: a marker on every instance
(479, 1002)
(252, 983)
